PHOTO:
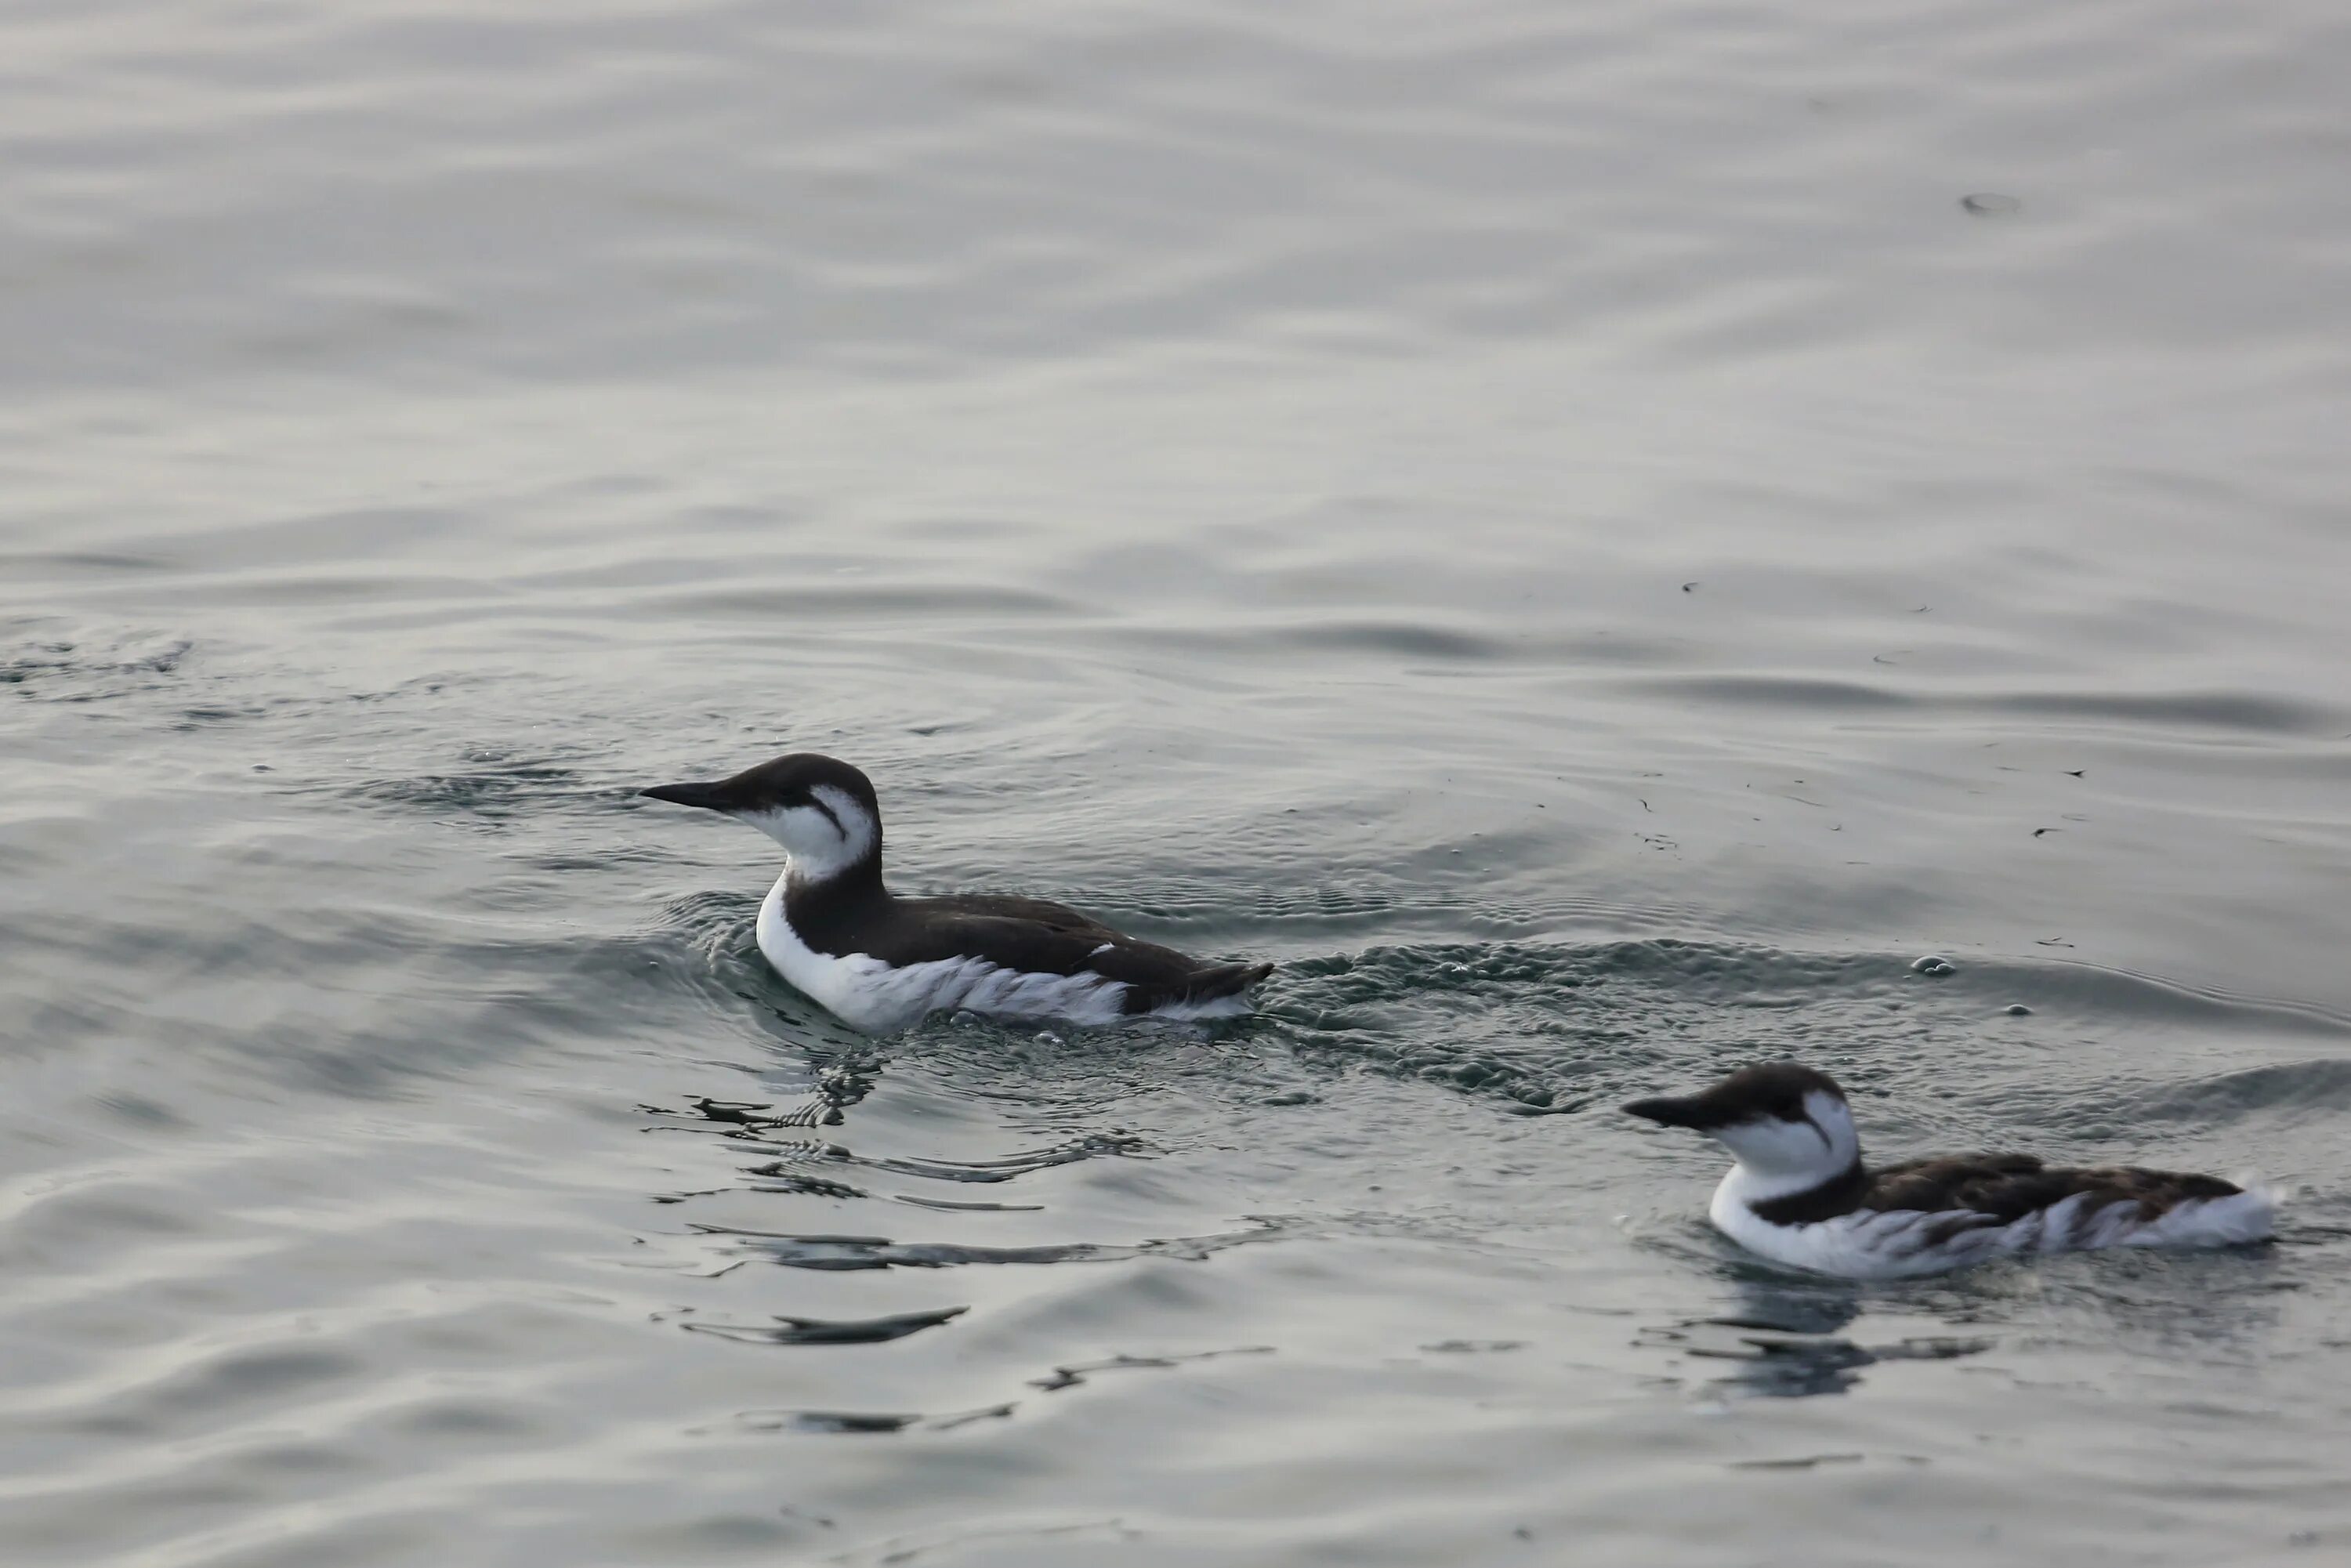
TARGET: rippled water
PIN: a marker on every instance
(1564, 526)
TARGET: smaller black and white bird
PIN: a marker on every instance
(1799, 1194)
(878, 962)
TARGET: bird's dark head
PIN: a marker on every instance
(1780, 1118)
(819, 809)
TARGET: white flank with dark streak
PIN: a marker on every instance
(1893, 1244)
(867, 994)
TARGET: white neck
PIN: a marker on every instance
(1780, 1159)
(818, 847)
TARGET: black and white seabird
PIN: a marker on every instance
(1799, 1194)
(878, 962)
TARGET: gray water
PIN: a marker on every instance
(1559, 523)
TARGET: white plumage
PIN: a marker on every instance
(1893, 1244)
(867, 994)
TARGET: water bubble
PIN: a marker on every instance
(1933, 964)
(2018, 1010)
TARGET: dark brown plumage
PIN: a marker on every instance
(1032, 935)
(2009, 1186)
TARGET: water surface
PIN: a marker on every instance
(1563, 527)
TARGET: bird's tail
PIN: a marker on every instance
(1224, 981)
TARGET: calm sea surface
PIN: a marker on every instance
(1563, 525)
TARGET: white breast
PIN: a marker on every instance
(1871, 1244)
(867, 994)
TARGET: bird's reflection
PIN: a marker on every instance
(1783, 1338)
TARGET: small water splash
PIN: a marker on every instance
(1556, 1029)
(493, 787)
(55, 665)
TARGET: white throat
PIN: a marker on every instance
(820, 845)
(1781, 1159)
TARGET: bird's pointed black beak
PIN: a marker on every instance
(709, 797)
(1667, 1110)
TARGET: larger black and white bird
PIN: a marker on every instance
(878, 962)
(1799, 1194)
